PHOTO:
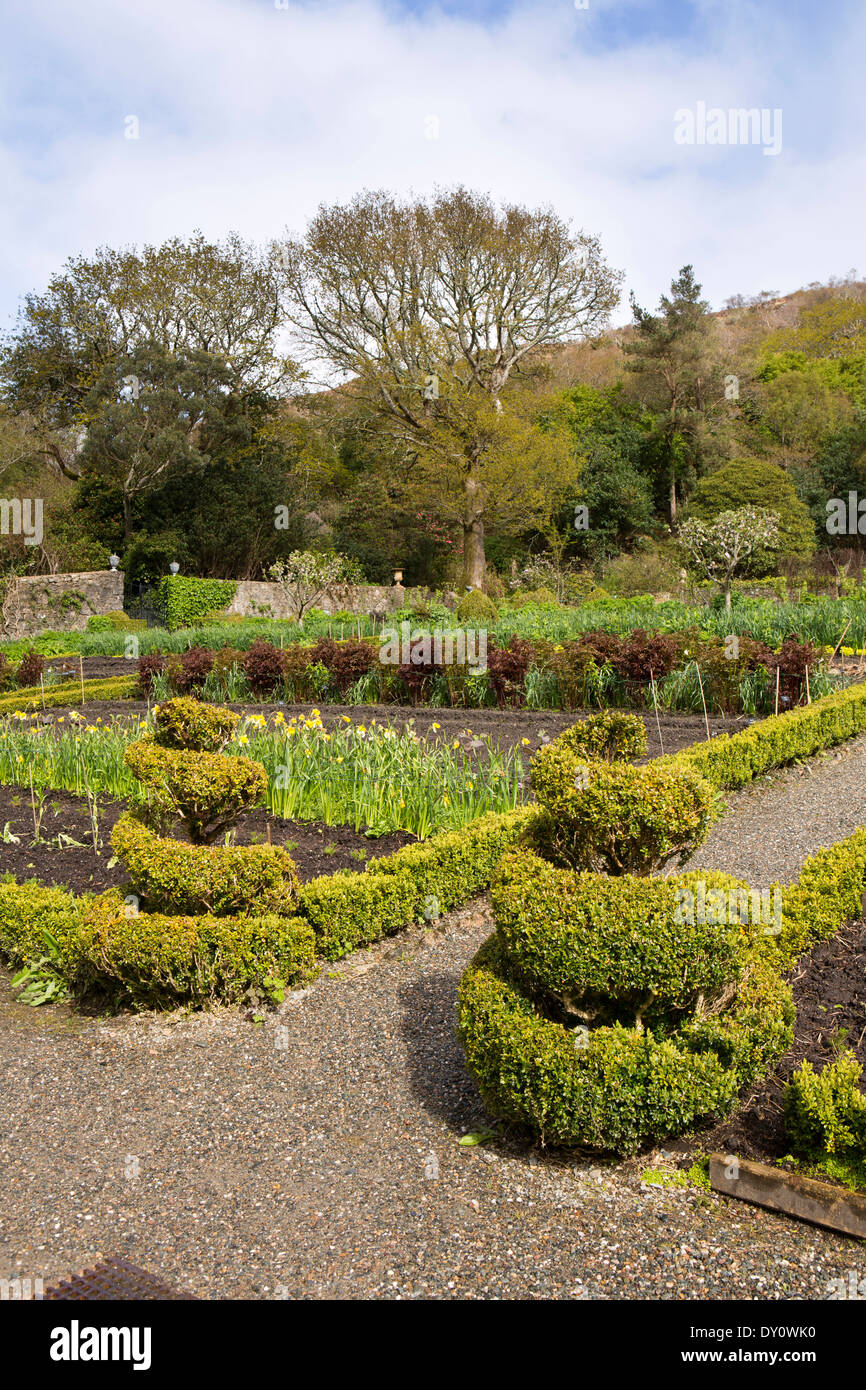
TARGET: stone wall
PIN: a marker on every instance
(57, 602)
(260, 598)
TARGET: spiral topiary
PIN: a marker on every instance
(603, 1013)
(196, 790)
(595, 1018)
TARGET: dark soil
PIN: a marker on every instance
(316, 848)
(830, 995)
(507, 727)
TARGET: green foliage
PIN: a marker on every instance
(151, 960)
(42, 981)
(174, 876)
(825, 1112)
(188, 723)
(614, 950)
(351, 910)
(533, 598)
(69, 692)
(27, 912)
(613, 1088)
(617, 818)
(649, 571)
(183, 599)
(828, 892)
(732, 760)
(760, 484)
(207, 791)
(115, 622)
(610, 736)
(476, 607)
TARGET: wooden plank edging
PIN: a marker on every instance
(807, 1199)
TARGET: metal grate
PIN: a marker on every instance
(114, 1280)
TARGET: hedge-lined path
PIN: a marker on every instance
(772, 826)
(239, 1160)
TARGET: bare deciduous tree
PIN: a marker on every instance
(431, 309)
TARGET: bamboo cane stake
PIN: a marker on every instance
(656, 708)
(703, 701)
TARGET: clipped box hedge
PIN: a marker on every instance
(346, 911)
(627, 1086)
(151, 960)
(69, 693)
(175, 876)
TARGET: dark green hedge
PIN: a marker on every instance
(182, 600)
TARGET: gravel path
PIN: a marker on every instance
(772, 826)
(315, 1155)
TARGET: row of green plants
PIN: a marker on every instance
(600, 1015)
(823, 621)
(681, 671)
(367, 776)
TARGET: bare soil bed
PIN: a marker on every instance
(829, 986)
(316, 849)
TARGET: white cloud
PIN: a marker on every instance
(251, 115)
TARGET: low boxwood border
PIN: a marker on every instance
(729, 761)
(69, 693)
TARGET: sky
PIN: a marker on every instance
(129, 123)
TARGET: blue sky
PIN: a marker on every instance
(251, 112)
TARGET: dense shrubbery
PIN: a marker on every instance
(205, 791)
(264, 668)
(682, 671)
(118, 621)
(825, 1112)
(183, 599)
(610, 736)
(186, 723)
(174, 876)
(478, 608)
(30, 669)
(593, 1017)
(154, 960)
(614, 1088)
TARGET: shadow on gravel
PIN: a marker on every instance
(436, 1069)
